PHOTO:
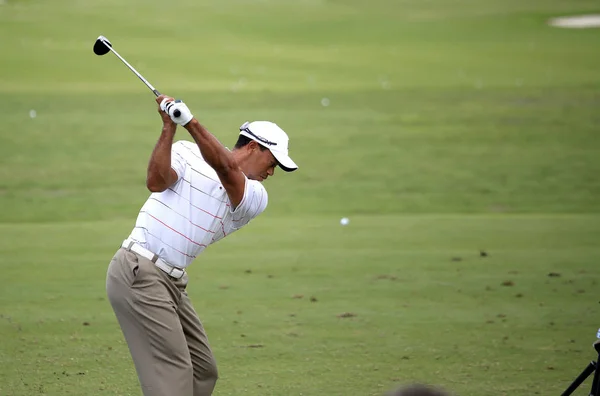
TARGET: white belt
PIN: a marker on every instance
(133, 246)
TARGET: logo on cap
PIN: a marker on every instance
(245, 128)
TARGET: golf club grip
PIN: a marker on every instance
(176, 113)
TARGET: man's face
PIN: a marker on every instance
(261, 163)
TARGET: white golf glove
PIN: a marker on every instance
(169, 107)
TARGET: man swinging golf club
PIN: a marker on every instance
(200, 194)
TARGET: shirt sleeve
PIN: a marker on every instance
(253, 203)
(178, 163)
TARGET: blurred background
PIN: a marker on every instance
(459, 137)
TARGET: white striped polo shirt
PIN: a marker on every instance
(180, 222)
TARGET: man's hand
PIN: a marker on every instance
(166, 118)
(169, 105)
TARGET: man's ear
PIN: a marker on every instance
(253, 146)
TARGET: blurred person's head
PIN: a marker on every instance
(417, 390)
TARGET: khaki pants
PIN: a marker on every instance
(166, 339)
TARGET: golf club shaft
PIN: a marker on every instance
(176, 113)
(135, 71)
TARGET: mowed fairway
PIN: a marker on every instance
(461, 139)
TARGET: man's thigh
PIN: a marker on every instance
(144, 304)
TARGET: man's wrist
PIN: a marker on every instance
(191, 124)
(169, 127)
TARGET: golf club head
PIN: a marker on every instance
(102, 46)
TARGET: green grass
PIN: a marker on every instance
(453, 127)
(421, 313)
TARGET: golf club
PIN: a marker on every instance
(102, 46)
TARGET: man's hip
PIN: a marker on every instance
(170, 270)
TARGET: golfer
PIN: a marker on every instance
(201, 193)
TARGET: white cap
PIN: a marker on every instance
(271, 136)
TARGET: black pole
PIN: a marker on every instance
(596, 380)
(582, 377)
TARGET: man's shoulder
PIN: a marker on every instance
(184, 147)
(254, 203)
(258, 187)
(256, 184)
(190, 151)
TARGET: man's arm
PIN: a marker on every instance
(221, 160)
(160, 174)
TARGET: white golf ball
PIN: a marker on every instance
(344, 221)
(325, 102)
(32, 113)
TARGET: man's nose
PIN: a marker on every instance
(271, 171)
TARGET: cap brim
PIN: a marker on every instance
(285, 162)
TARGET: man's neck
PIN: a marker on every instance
(240, 158)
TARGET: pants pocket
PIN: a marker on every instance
(131, 267)
(123, 269)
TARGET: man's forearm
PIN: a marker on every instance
(221, 160)
(159, 166)
(213, 152)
